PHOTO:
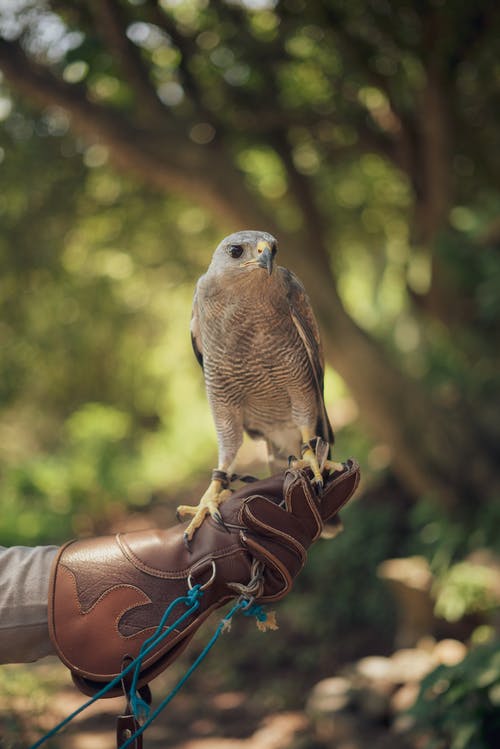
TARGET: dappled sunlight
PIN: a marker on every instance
(133, 137)
(276, 732)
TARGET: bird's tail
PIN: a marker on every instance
(324, 428)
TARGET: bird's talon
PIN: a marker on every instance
(335, 467)
(208, 506)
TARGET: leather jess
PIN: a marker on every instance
(107, 594)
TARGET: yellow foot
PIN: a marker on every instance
(332, 466)
(214, 496)
(309, 460)
(314, 458)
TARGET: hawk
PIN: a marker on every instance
(256, 338)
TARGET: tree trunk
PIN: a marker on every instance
(433, 451)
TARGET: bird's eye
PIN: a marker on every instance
(236, 250)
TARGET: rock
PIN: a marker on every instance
(413, 572)
(410, 581)
(375, 667)
(338, 730)
(371, 697)
(404, 697)
(373, 704)
(449, 652)
(329, 696)
(373, 683)
(411, 664)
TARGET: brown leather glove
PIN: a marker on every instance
(108, 594)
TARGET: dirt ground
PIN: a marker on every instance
(200, 717)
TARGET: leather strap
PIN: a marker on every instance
(126, 726)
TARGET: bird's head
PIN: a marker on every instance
(245, 251)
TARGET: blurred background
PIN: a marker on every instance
(134, 135)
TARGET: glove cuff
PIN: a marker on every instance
(107, 596)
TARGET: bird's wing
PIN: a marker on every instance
(195, 329)
(305, 322)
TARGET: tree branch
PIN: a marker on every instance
(173, 164)
(435, 135)
(397, 142)
(471, 36)
(111, 24)
(186, 46)
(300, 188)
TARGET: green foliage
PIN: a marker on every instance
(48, 497)
(458, 706)
(464, 589)
(28, 684)
(461, 586)
(101, 399)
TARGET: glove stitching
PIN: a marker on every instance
(220, 553)
(76, 599)
(275, 532)
(354, 468)
(311, 501)
(353, 472)
(118, 586)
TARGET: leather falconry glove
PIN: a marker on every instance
(108, 594)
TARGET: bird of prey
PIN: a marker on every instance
(256, 338)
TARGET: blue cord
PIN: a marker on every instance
(222, 625)
(257, 611)
(140, 708)
(192, 600)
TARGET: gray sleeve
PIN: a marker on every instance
(24, 585)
